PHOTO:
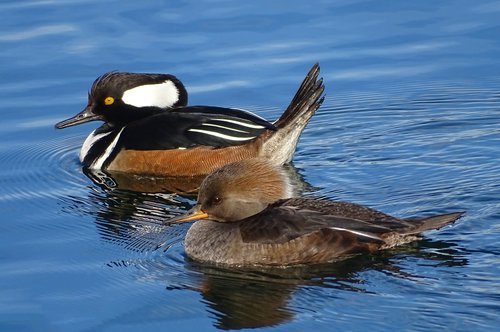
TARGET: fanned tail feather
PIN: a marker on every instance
(280, 145)
(304, 98)
(434, 222)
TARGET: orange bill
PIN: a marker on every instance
(193, 214)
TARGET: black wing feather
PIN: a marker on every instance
(193, 126)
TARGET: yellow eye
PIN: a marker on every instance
(109, 100)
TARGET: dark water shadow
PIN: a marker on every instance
(235, 298)
(185, 186)
(239, 298)
(129, 209)
(243, 298)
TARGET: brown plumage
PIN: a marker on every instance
(188, 162)
(250, 221)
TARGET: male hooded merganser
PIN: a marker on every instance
(251, 221)
(149, 129)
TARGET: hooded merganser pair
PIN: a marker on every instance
(148, 129)
(251, 220)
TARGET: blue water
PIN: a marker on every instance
(410, 126)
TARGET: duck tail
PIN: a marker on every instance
(434, 222)
(279, 146)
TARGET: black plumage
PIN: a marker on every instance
(171, 130)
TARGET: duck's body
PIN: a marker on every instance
(149, 129)
(170, 142)
(250, 223)
(303, 231)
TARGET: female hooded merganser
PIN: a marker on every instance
(149, 129)
(252, 221)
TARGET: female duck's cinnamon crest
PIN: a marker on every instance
(249, 220)
(149, 129)
(230, 194)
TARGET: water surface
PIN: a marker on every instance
(410, 126)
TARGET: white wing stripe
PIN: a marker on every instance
(357, 233)
(244, 124)
(216, 134)
(223, 127)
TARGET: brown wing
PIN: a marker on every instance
(345, 209)
(349, 210)
(284, 221)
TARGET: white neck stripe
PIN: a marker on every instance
(89, 143)
(97, 164)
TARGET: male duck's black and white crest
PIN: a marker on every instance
(141, 90)
(119, 98)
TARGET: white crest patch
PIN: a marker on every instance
(161, 95)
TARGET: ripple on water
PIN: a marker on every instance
(405, 152)
(41, 169)
(46, 171)
(441, 132)
(397, 149)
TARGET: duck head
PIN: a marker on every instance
(119, 98)
(237, 191)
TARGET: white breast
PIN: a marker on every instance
(97, 164)
(89, 142)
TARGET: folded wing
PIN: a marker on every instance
(189, 127)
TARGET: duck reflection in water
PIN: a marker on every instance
(253, 297)
(248, 297)
(129, 209)
(187, 186)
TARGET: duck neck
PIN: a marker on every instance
(131, 114)
(97, 149)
